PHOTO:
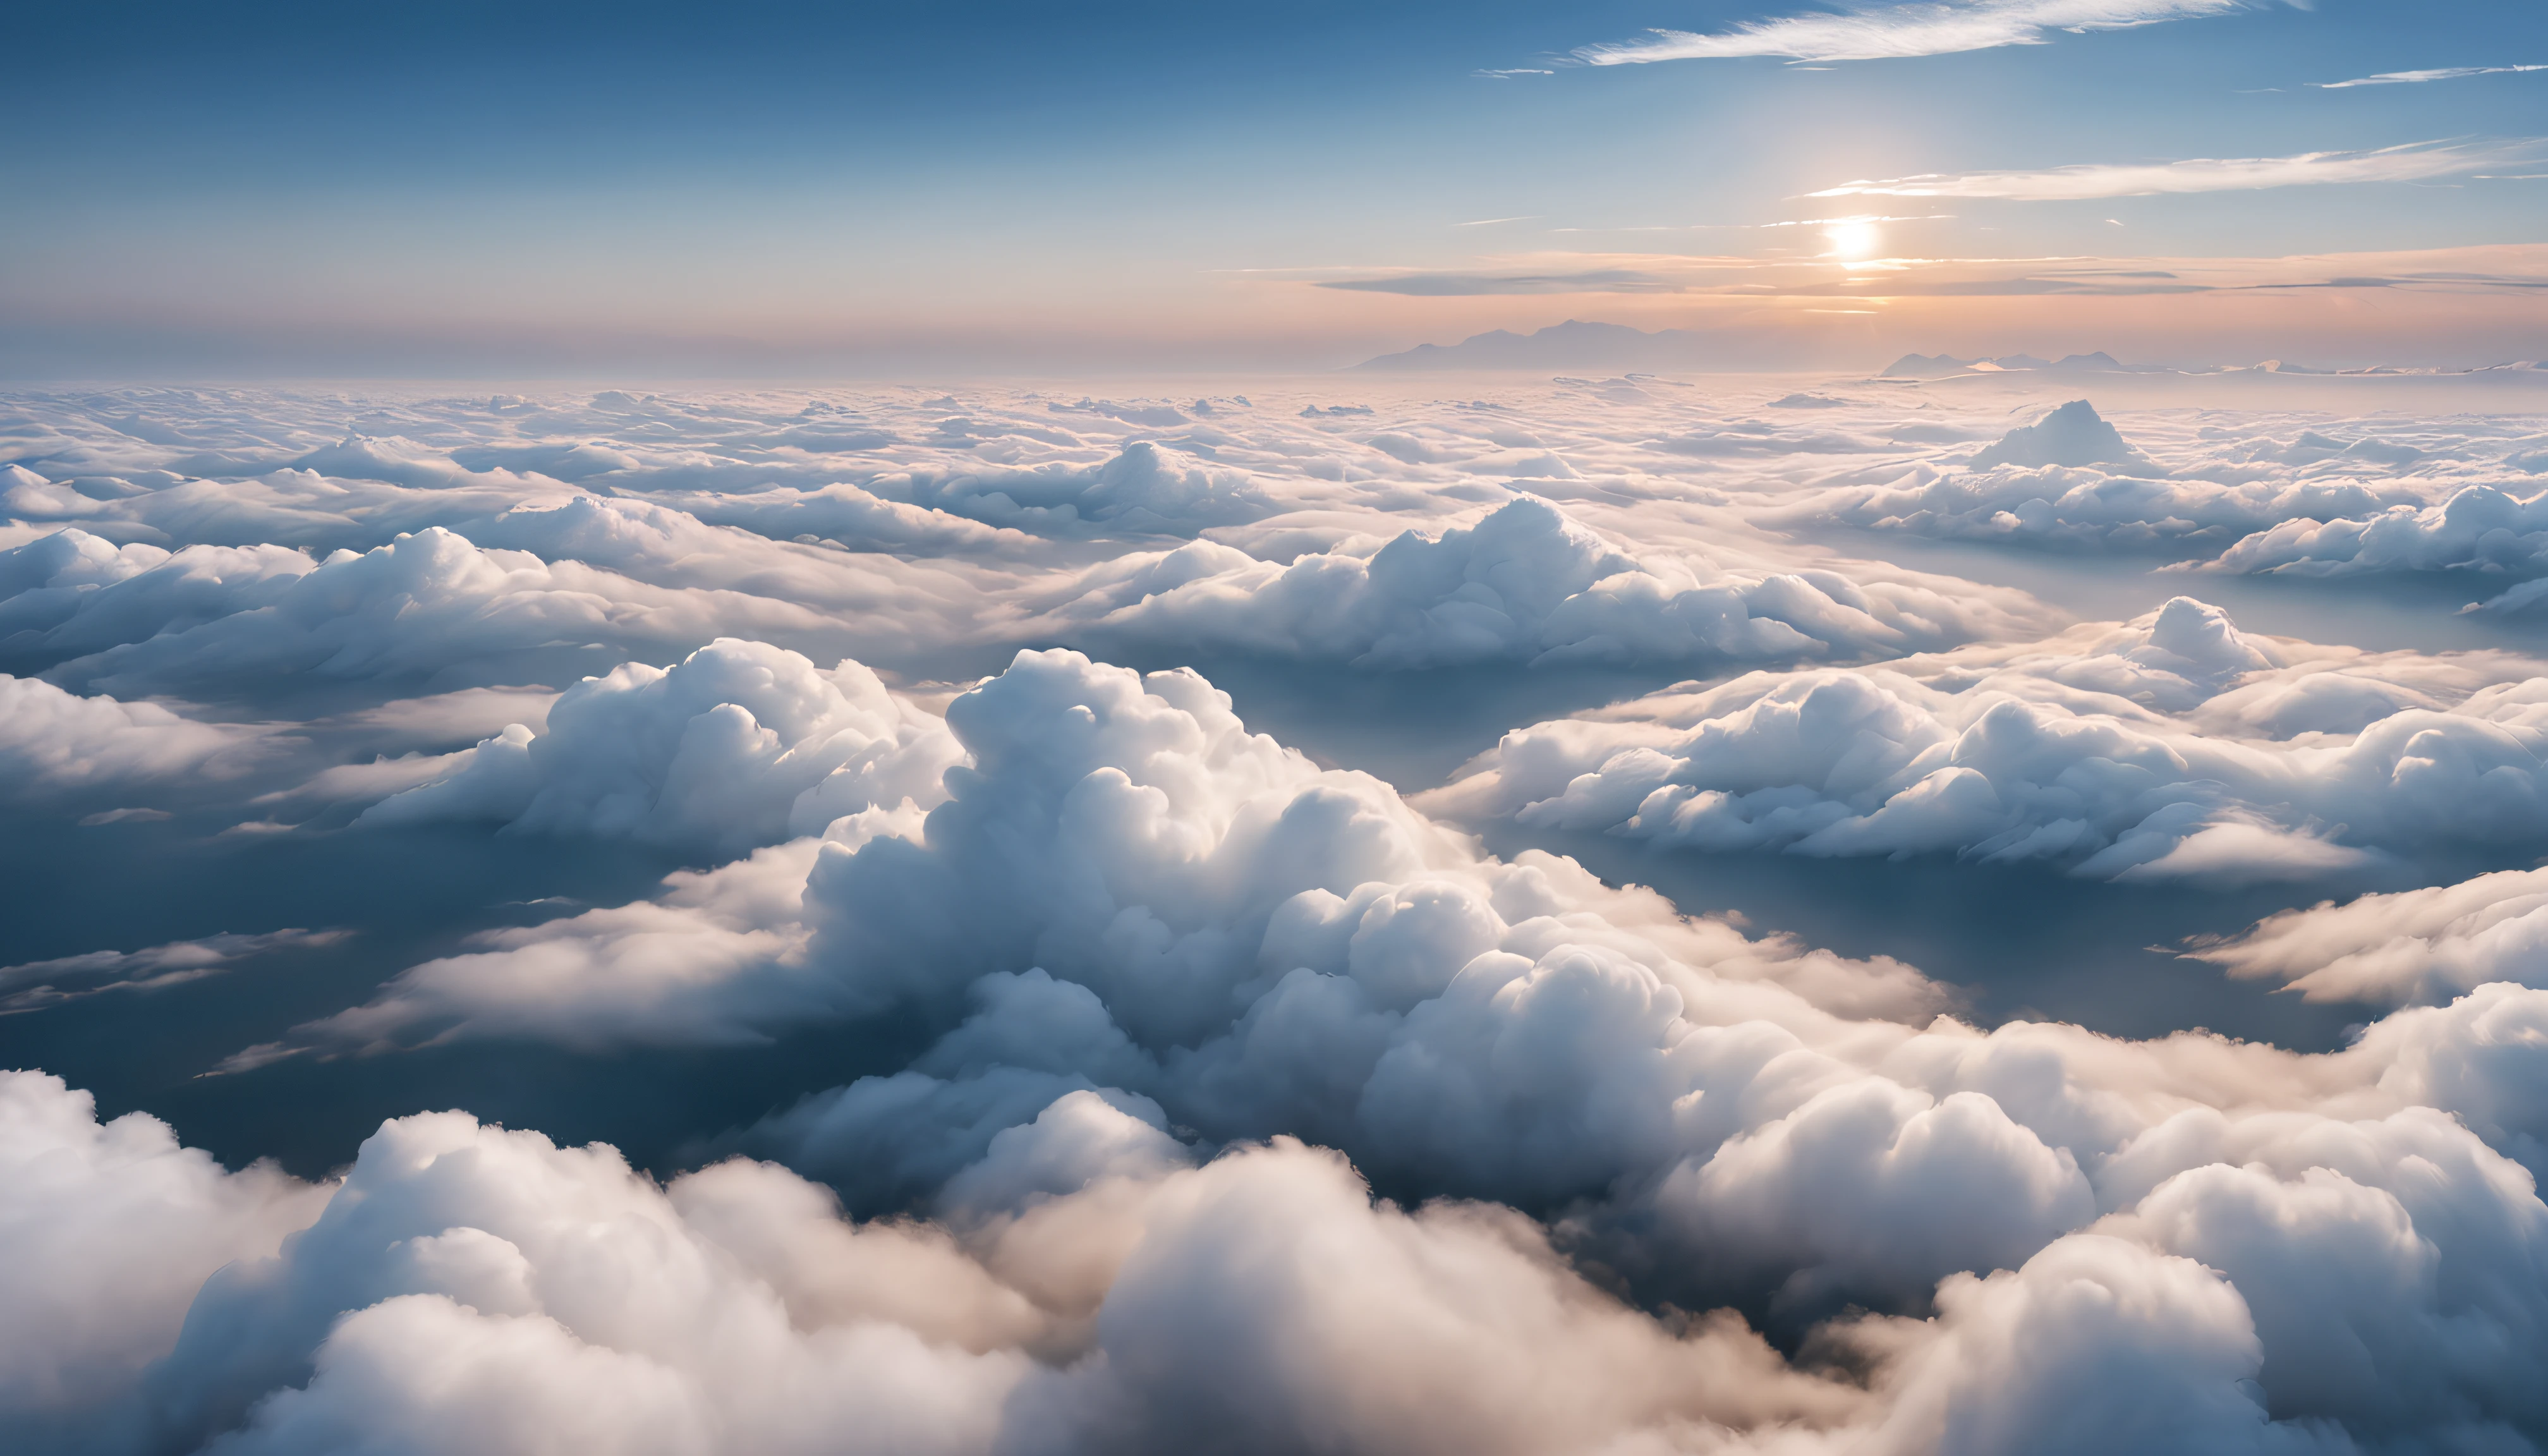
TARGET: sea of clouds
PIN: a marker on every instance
(1141, 1081)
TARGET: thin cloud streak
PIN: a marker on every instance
(2443, 74)
(2411, 162)
(1899, 30)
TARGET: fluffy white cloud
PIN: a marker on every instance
(54, 744)
(1086, 1284)
(1147, 489)
(2094, 1344)
(106, 1231)
(467, 1289)
(424, 603)
(2412, 946)
(2172, 747)
(470, 1290)
(2481, 529)
(2071, 480)
(1748, 1121)
(1523, 583)
(739, 745)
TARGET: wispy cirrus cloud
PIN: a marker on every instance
(2442, 74)
(38, 984)
(2411, 162)
(1878, 33)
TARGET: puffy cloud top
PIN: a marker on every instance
(740, 743)
(1525, 582)
(2173, 747)
(54, 743)
(424, 603)
(2411, 945)
(2479, 530)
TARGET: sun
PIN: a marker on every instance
(1852, 239)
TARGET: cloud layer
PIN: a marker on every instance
(1093, 1073)
(2174, 747)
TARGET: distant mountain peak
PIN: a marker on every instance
(1941, 366)
(2075, 434)
(1576, 344)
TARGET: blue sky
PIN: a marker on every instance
(484, 189)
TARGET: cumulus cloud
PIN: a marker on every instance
(2093, 508)
(2305, 496)
(470, 1290)
(1146, 487)
(2479, 530)
(739, 745)
(1226, 941)
(1523, 583)
(425, 603)
(1155, 996)
(1210, 907)
(1084, 1283)
(2411, 945)
(1875, 32)
(754, 542)
(2412, 162)
(2173, 747)
(54, 744)
(109, 1229)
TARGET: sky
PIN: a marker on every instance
(780, 189)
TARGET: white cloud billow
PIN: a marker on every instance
(1086, 1284)
(55, 743)
(1523, 583)
(2277, 499)
(2175, 747)
(1784, 1126)
(2409, 947)
(423, 604)
(109, 1229)
(2482, 530)
(1876, 32)
(739, 745)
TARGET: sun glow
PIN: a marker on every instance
(1853, 238)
